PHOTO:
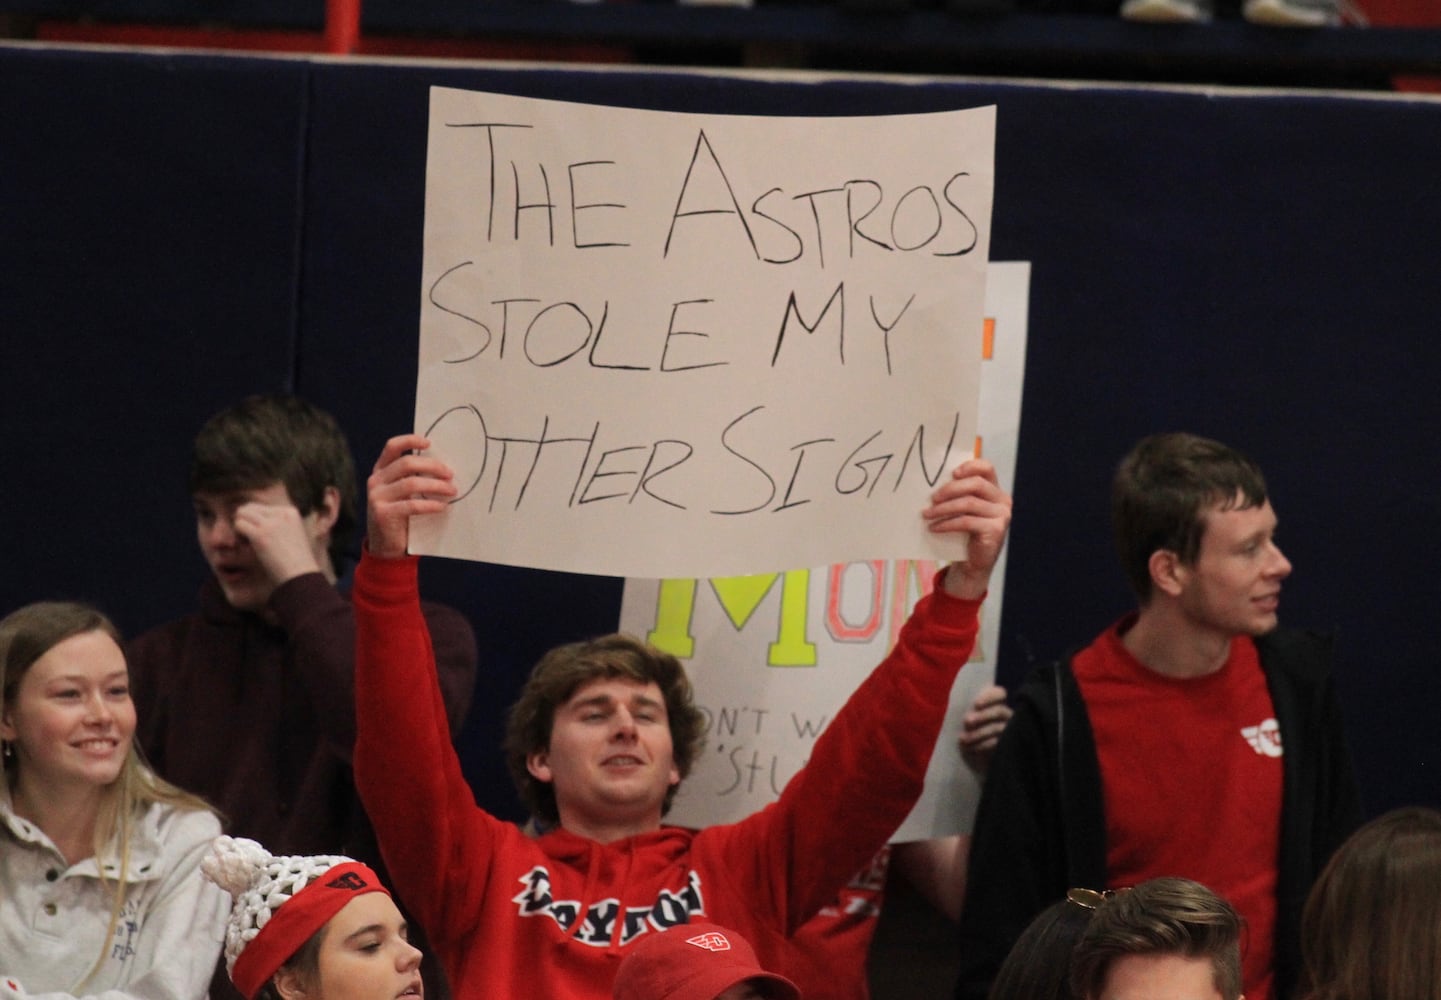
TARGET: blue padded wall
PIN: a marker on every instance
(176, 231)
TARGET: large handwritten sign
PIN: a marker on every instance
(774, 656)
(657, 344)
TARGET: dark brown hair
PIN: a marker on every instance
(1371, 929)
(563, 671)
(304, 965)
(1162, 491)
(280, 438)
(1038, 966)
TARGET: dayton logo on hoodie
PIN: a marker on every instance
(669, 909)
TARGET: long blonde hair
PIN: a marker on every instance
(25, 636)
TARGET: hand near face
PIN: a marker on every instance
(973, 502)
(402, 485)
(255, 540)
(284, 540)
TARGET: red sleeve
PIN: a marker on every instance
(864, 776)
(436, 842)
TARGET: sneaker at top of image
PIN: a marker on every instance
(1167, 11)
(1293, 13)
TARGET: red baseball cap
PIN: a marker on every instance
(693, 962)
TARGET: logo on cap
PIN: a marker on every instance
(710, 941)
(350, 880)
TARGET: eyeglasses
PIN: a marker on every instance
(1092, 898)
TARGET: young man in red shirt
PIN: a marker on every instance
(1190, 738)
(600, 739)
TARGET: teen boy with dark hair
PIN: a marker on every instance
(1192, 737)
(249, 701)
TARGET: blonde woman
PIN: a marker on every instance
(99, 889)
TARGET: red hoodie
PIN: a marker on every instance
(550, 918)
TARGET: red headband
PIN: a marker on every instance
(294, 921)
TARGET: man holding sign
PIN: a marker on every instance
(554, 915)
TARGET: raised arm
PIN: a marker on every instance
(403, 484)
(433, 838)
(973, 503)
(869, 765)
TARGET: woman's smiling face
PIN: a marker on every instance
(70, 716)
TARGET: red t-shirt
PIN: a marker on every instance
(1191, 779)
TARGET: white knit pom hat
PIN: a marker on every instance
(279, 903)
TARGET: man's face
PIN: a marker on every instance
(246, 583)
(1234, 586)
(1159, 977)
(610, 758)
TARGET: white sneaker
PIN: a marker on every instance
(1167, 11)
(1292, 13)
